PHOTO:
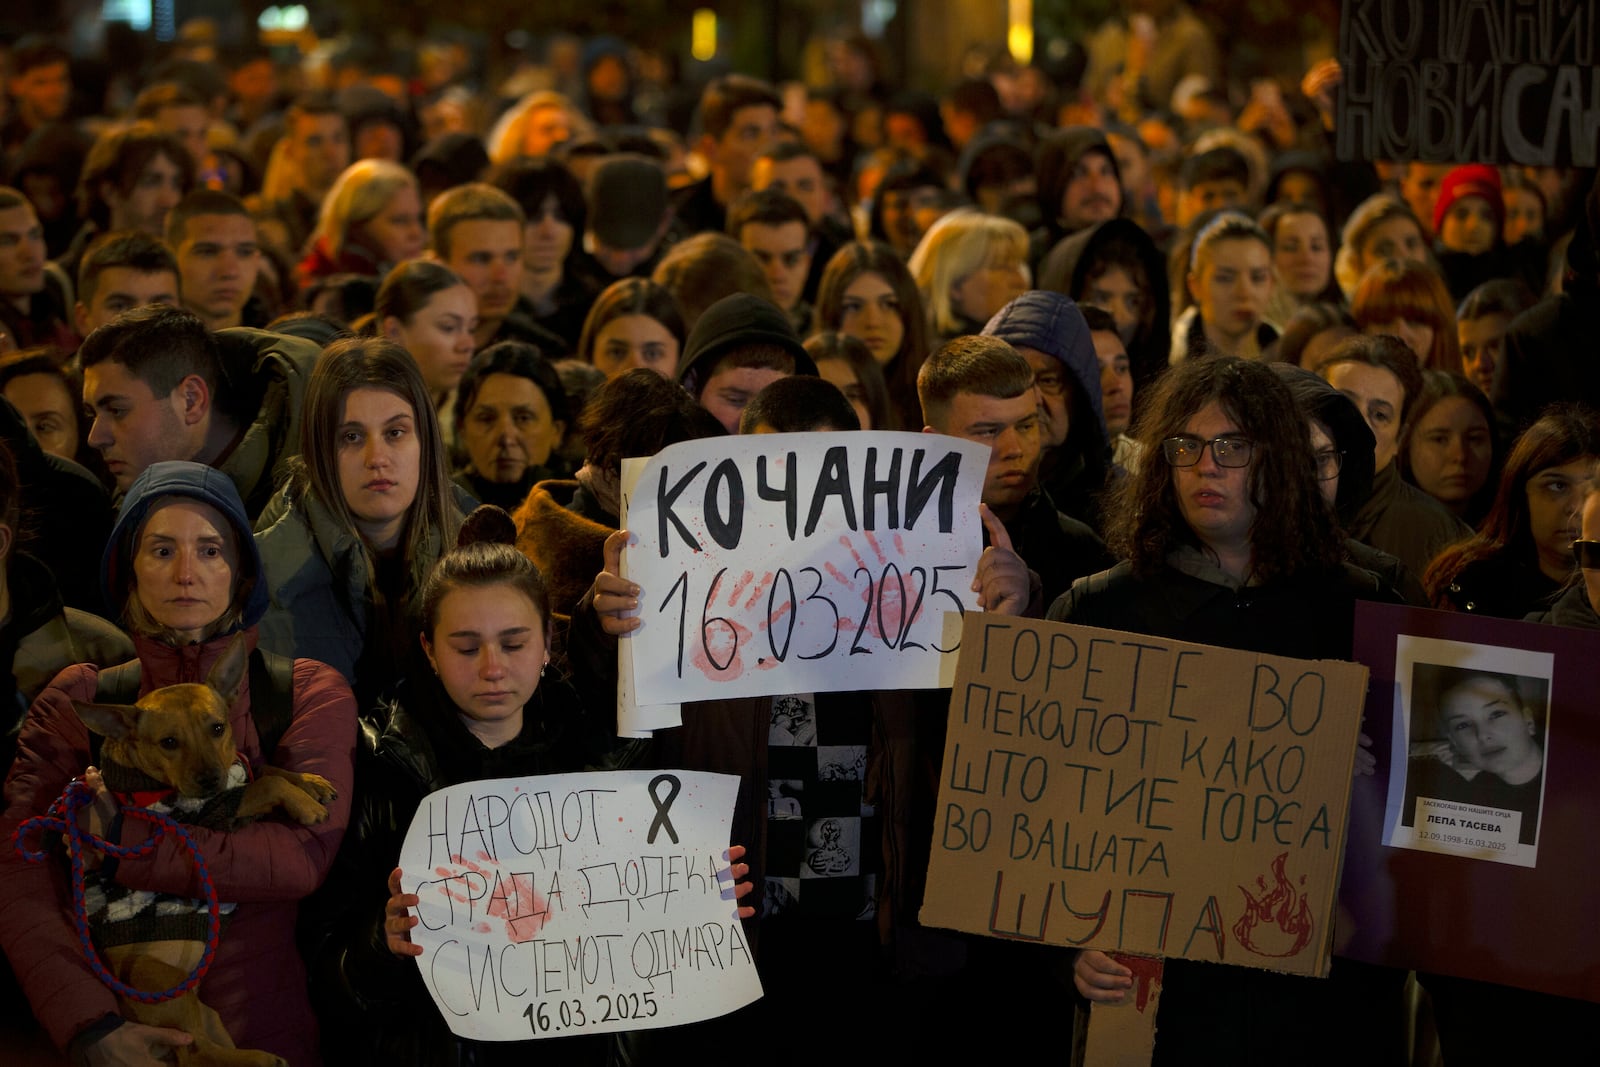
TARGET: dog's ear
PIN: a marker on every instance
(228, 671)
(112, 721)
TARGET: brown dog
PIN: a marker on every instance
(176, 744)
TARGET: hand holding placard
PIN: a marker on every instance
(804, 563)
(589, 902)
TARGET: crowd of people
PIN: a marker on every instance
(345, 357)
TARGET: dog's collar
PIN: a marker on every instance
(135, 789)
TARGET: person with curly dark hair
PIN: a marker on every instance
(1226, 539)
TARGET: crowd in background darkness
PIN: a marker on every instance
(272, 330)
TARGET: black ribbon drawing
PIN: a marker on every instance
(662, 822)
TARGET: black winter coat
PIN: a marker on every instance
(373, 1005)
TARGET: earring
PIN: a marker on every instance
(542, 666)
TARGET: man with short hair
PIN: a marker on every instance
(771, 226)
(738, 117)
(739, 346)
(40, 86)
(33, 308)
(122, 271)
(1116, 386)
(790, 167)
(967, 108)
(161, 386)
(629, 220)
(176, 109)
(799, 404)
(476, 231)
(1213, 180)
(1419, 187)
(980, 389)
(252, 84)
(316, 150)
(133, 176)
(214, 239)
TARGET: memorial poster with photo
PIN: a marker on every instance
(1471, 852)
(1471, 730)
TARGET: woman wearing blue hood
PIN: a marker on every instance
(182, 573)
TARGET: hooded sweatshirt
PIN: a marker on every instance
(1075, 473)
(1057, 159)
(1067, 267)
(257, 982)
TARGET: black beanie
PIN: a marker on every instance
(733, 321)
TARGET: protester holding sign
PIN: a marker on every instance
(981, 389)
(835, 799)
(1230, 541)
(488, 712)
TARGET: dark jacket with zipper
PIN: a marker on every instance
(374, 1006)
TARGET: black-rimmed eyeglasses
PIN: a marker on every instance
(1185, 451)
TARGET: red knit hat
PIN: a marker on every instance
(1474, 179)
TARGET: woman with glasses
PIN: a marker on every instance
(1227, 539)
(1522, 553)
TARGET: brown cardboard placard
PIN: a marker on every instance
(1134, 794)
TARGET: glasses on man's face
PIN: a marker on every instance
(1185, 451)
(1050, 382)
(1329, 462)
(1587, 553)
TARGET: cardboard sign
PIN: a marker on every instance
(1494, 81)
(1134, 794)
(1487, 738)
(801, 563)
(578, 903)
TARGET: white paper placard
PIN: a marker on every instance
(801, 563)
(635, 719)
(578, 903)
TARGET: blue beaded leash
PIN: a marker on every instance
(63, 819)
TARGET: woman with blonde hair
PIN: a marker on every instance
(1381, 227)
(968, 266)
(371, 219)
(535, 125)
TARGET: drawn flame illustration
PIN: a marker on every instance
(1282, 909)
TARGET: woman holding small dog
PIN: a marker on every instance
(348, 542)
(183, 574)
